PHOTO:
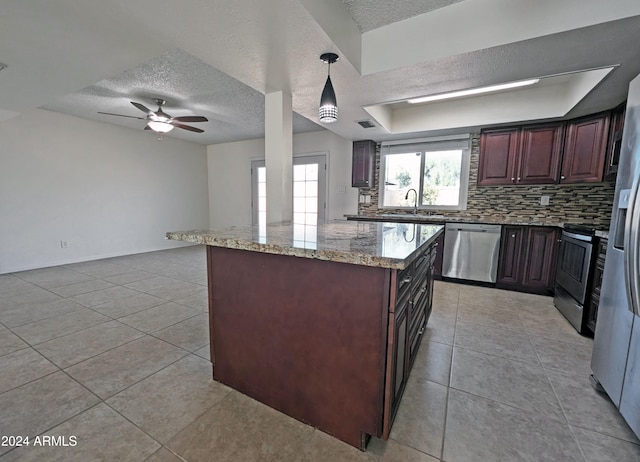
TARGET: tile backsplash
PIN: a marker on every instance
(588, 203)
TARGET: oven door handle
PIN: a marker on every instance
(579, 237)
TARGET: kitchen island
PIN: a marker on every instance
(323, 322)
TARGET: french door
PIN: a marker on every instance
(309, 196)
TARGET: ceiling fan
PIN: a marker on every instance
(161, 122)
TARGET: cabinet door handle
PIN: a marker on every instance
(407, 280)
(562, 177)
(518, 178)
(513, 178)
(513, 235)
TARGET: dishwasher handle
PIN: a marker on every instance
(469, 229)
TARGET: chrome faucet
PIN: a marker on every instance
(415, 203)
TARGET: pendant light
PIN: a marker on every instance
(328, 105)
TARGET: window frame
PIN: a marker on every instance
(424, 146)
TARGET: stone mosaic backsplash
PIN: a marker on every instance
(588, 204)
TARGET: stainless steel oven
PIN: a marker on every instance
(573, 274)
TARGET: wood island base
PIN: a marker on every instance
(327, 343)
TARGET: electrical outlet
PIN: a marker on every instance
(544, 200)
(367, 199)
(64, 244)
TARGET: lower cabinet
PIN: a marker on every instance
(414, 297)
(527, 258)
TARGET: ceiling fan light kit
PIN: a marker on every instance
(159, 126)
(328, 111)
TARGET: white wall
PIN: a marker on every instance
(106, 190)
(230, 176)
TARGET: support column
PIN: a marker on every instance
(279, 156)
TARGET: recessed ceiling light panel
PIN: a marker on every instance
(474, 91)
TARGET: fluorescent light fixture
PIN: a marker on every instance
(474, 91)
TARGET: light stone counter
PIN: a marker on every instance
(441, 219)
(379, 244)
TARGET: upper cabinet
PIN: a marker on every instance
(498, 156)
(585, 149)
(547, 153)
(363, 164)
(540, 153)
(521, 155)
(615, 142)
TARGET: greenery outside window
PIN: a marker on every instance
(437, 170)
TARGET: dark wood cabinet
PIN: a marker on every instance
(596, 285)
(360, 325)
(573, 152)
(585, 149)
(521, 155)
(615, 142)
(527, 258)
(413, 300)
(363, 164)
(540, 153)
(539, 268)
(498, 156)
(510, 261)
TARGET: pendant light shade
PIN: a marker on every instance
(328, 105)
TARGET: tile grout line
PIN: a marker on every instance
(446, 405)
(555, 393)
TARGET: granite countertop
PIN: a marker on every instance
(441, 219)
(379, 244)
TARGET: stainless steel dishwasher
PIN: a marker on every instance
(471, 251)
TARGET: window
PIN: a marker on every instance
(438, 172)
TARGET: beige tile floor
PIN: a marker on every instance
(115, 353)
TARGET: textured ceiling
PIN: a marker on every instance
(371, 14)
(189, 87)
(218, 58)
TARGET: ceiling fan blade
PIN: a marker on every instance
(122, 115)
(191, 119)
(187, 127)
(142, 107)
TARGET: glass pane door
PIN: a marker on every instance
(309, 196)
